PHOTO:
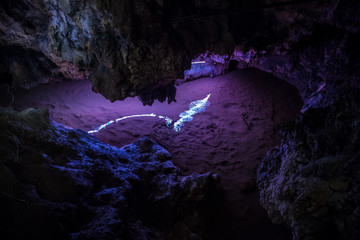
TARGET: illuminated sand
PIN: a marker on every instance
(229, 138)
(187, 116)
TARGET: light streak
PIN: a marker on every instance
(120, 119)
(135, 116)
(167, 120)
(194, 108)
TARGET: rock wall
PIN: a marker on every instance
(124, 46)
(318, 53)
(137, 48)
(311, 182)
(60, 183)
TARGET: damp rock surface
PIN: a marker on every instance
(61, 183)
(311, 182)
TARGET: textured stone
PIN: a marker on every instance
(60, 183)
(311, 182)
(138, 48)
(71, 39)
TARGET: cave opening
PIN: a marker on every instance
(246, 111)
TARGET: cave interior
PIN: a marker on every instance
(180, 119)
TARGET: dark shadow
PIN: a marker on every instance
(233, 65)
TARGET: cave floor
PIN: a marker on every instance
(230, 138)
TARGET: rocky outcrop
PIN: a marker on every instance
(60, 183)
(138, 48)
(125, 46)
(311, 182)
(315, 50)
(313, 46)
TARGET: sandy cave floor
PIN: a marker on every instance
(247, 109)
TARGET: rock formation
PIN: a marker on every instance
(60, 183)
(311, 182)
(138, 48)
(124, 46)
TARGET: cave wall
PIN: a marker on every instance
(311, 182)
(135, 48)
(61, 183)
(318, 55)
(48, 40)
(138, 48)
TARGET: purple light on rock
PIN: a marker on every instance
(207, 65)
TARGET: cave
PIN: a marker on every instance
(196, 119)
